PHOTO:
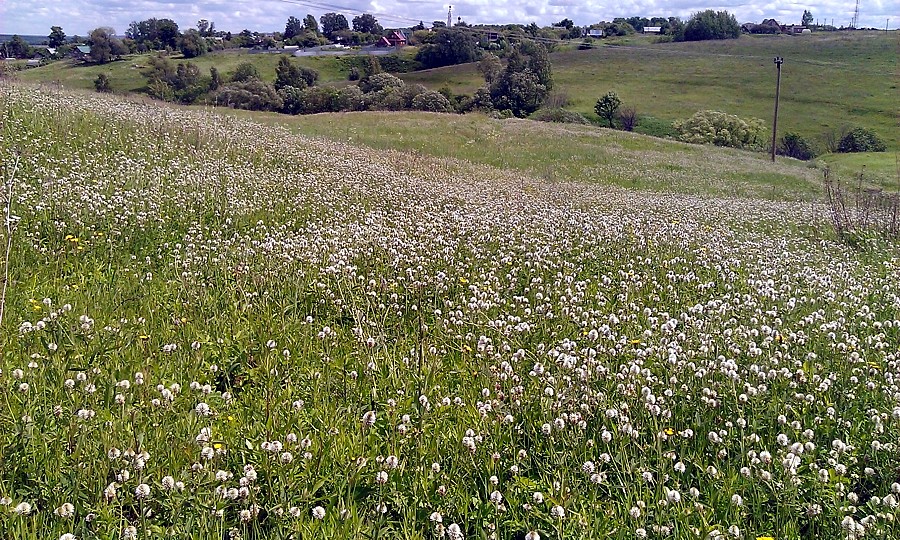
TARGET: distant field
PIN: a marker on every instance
(126, 75)
(828, 80)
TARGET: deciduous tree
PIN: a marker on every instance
(293, 28)
(333, 22)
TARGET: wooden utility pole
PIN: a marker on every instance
(778, 61)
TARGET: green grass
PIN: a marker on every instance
(879, 168)
(828, 80)
(559, 152)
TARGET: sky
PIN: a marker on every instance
(78, 17)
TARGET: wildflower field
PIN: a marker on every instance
(216, 329)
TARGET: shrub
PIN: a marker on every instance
(432, 101)
(101, 83)
(244, 72)
(387, 99)
(409, 92)
(711, 24)
(559, 116)
(252, 94)
(628, 118)
(795, 146)
(318, 99)
(292, 99)
(721, 129)
(350, 98)
(379, 81)
(861, 140)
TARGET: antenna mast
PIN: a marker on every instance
(450, 13)
(855, 16)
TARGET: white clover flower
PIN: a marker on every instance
(454, 532)
(168, 483)
(66, 510)
(537, 497)
(436, 517)
(22, 509)
(318, 512)
(558, 512)
(142, 491)
(673, 496)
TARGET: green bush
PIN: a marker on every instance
(711, 24)
(101, 83)
(244, 72)
(432, 101)
(252, 94)
(721, 129)
(559, 116)
(379, 82)
(795, 146)
(861, 140)
(318, 99)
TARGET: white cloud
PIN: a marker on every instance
(80, 16)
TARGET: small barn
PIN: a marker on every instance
(652, 29)
(595, 33)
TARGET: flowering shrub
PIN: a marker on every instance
(721, 129)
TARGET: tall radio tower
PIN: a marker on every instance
(855, 16)
(450, 13)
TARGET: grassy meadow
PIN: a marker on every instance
(216, 326)
(565, 153)
(828, 80)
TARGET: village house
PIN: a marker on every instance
(396, 39)
(81, 52)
